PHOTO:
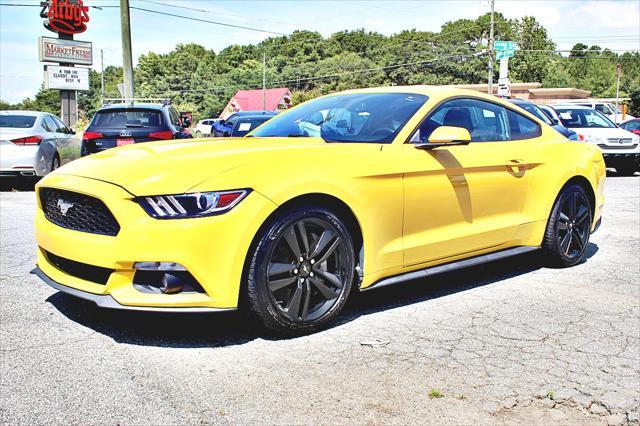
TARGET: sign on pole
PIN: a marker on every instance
(66, 78)
(504, 87)
(65, 51)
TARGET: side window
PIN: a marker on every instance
(175, 117)
(60, 126)
(602, 108)
(485, 121)
(521, 127)
(49, 124)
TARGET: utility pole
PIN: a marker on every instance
(264, 81)
(490, 89)
(618, 71)
(102, 76)
(127, 60)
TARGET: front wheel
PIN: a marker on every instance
(301, 271)
(569, 228)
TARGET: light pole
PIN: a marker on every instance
(127, 61)
(490, 88)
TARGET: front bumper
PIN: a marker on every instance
(213, 249)
(617, 158)
(106, 301)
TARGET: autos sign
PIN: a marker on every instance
(65, 51)
(65, 16)
(66, 78)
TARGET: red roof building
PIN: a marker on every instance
(277, 99)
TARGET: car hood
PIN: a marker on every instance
(611, 132)
(173, 167)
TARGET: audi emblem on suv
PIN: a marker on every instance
(125, 134)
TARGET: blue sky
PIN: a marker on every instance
(612, 24)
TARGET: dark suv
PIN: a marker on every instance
(123, 124)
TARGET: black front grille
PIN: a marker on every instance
(79, 212)
(95, 274)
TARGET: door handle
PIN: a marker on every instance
(520, 165)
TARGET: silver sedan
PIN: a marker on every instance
(34, 143)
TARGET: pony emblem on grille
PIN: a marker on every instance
(64, 206)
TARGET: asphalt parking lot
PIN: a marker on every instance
(510, 342)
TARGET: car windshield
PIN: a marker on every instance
(245, 125)
(581, 118)
(534, 110)
(363, 117)
(119, 118)
(17, 121)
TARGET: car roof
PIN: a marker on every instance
(22, 112)
(571, 106)
(246, 113)
(253, 116)
(158, 107)
(517, 101)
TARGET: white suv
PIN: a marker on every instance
(204, 127)
(607, 109)
(620, 148)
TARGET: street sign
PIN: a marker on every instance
(504, 87)
(505, 45)
(66, 78)
(501, 54)
(65, 51)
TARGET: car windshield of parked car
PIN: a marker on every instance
(534, 110)
(245, 125)
(631, 125)
(581, 118)
(120, 118)
(17, 121)
(368, 118)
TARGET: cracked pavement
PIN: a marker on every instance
(510, 342)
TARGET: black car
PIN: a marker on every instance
(247, 123)
(223, 128)
(534, 109)
(123, 124)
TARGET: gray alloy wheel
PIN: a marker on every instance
(306, 270)
(301, 271)
(569, 227)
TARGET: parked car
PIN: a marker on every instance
(34, 143)
(223, 128)
(123, 124)
(532, 108)
(394, 184)
(632, 126)
(607, 108)
(247, 123)
(204, 127)
(620, 148)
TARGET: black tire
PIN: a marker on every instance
(627, 169)
(198, 134)
(55, 163)
(295, 284)
(569, 227)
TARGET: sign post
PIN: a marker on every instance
(504, 51)
(66, 18)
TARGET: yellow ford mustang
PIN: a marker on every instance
(355, 190)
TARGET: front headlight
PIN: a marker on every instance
(192, 205)
(591, 139)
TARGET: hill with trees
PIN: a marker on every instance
(200, 80)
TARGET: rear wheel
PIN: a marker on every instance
(569, 228)
(301, 271)
(198, 134)
(55, 163)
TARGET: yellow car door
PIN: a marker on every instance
(466, 198)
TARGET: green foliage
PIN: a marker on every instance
(200, 81)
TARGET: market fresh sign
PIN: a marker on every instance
(65, 16)
(65, 51)
(66, 78)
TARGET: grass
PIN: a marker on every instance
(435, 393)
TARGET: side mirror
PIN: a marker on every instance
(446, 136)
(71, 131)
(222, 122)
